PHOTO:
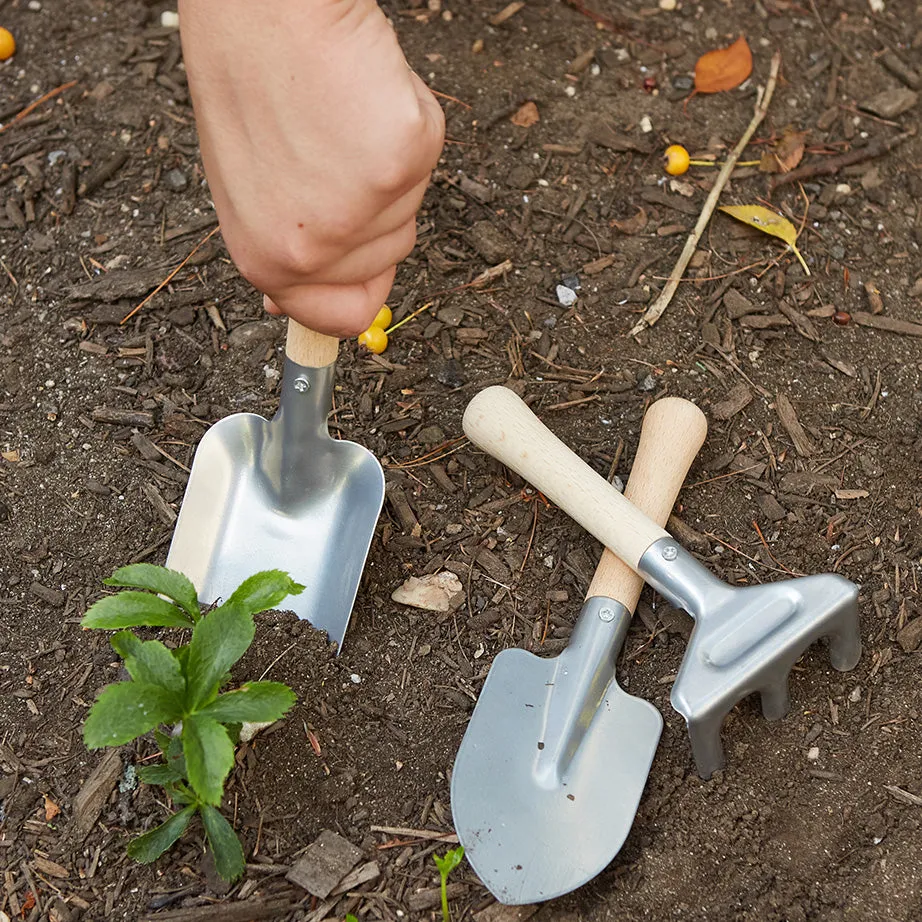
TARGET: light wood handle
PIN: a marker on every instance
(672, 434)
(500, 423)
(310, 349)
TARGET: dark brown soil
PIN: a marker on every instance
(816, 817)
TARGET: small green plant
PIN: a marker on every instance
(179, 689)
(446, 864)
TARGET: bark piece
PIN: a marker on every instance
(123, 417)
(325, 863)
(910, 637)
(738, 399)
(93, 795)
(127, 283)
(802, 323)
(738, 306)
(788, 416)
(891, 103)
(890, 324)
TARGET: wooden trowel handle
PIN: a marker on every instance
(498, 421)
(310, 349)
(673, 432)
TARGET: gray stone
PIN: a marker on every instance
(177, 180)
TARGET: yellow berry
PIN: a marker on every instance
(383, 318)
(7, 44)
(677, 160)
(374, 339)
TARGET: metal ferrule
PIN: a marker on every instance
(584, 671)
(687, 584)
(289, 460)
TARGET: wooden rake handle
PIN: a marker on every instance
(672, 434)
(500, 423)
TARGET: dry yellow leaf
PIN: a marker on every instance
(767, 221)
(12, 456)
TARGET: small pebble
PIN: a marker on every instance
(646, 126)
(355, 678)
(668, 5)
(169, 19)
(683, 82)
(566, 296)
(177, 180)
(813, 753)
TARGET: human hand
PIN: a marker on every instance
(318, 142)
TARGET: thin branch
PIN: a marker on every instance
(658, 308)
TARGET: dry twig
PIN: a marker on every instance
(658, 308)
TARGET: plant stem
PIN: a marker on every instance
(658, 308)
(445, 915)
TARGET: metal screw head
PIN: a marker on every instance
(670, 552)
(301, 385)
(607, 614)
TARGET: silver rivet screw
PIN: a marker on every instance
(670, 552)
(607, 614)
(302, 385)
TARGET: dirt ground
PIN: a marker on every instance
(816, 817)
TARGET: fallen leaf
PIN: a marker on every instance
(12, 456)
(51, 809)
(432, 592)
(723, 69)
(767, 221)
(632, 225)
(526, 116)
(786, 154)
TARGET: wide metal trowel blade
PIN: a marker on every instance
(529, 834)
(255, 501)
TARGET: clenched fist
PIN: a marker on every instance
(318, 142)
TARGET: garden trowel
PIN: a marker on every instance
(282, 494)
(551, 769)
(745, 640)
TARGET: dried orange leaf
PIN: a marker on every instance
(51, 809)
(786, 154)
(767, 221)
(723, 69)
(526, 116)
(633, 225)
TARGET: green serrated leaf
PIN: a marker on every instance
(171, 583)
(256, 702)
(149, 661)
(153, 844)
(163, 741)
(263, 591)
(209, 756)
(134, 609)
(182, 795)
(127, 710)
(218, 641)
(158, 774)
(225, 846)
